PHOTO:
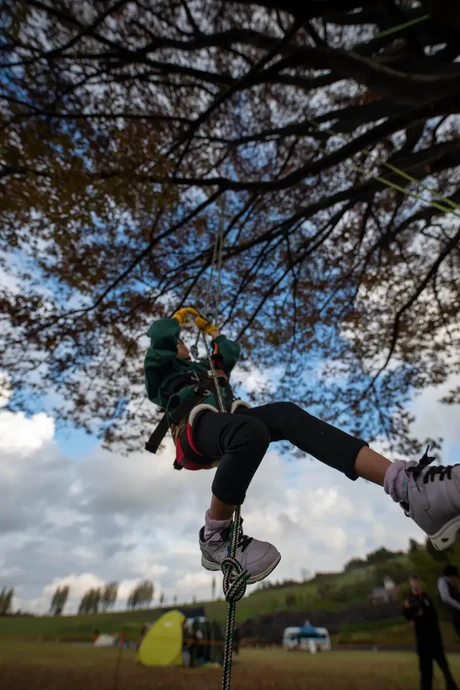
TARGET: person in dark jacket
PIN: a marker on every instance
(236, 441)
(449, 591)
(420, 611)
(236, 641)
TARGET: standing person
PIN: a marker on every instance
(187, 644)
(419, 610)
(236, 641)
(449, 589)
(144, 631)
(236, 441)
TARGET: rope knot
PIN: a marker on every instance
(234, 580)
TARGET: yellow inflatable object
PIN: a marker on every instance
(162, 645)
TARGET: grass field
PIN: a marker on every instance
(25, 666)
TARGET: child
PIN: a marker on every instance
(237, 440)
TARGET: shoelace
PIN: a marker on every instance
(433, 472)
(430, 475)
(441, 472)
(243, 539)
(416, 470)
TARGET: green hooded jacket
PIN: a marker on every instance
(163, 367)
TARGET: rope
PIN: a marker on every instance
(213, 290)
(215, 380)
(211, 312)
(116, 675)
(451, 206)
(234, 576)
(400, 27)
(220, 252)
(234, 586)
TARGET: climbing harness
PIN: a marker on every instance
(182, 419)
(179, 420)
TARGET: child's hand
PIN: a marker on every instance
(183, 315)
(206, 326)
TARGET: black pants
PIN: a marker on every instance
(426, 655)
(241, 441)
(456, 623)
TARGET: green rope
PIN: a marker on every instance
(398, 171)
(400, 27)
(402, 173)
(234, 586)
(235, 577)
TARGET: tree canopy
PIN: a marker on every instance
(320, 138)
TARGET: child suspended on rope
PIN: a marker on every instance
(235, 441)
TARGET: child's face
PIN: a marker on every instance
(182, 350)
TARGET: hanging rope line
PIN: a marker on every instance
(234, 586)
(234, 576)
(400, 27)
(213, 286)
(451, 206)
(213, 289)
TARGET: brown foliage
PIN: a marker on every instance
(129, 132)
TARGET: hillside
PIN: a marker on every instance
(329, 592)
(341, 599)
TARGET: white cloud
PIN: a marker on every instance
(21, 435)
(434, 419)
(78, 584)
(9, 282)
(255, 380)
(5, 389)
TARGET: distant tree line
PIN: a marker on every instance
(141, 596)
(6, 601)
(278, 584)
(97, 599)
(59, 600)
(379, 556)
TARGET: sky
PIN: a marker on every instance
(73, 513)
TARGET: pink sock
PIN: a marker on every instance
(396, 481)
(212, 526)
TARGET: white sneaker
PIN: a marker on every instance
(433, 501)
(259, 558)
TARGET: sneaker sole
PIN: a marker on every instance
(214, 567)
(447, 536)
